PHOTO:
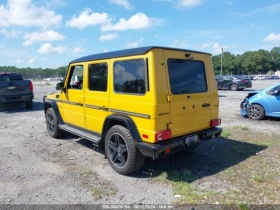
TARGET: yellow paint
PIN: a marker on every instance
(164, 109)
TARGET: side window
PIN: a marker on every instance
(98, 77)
(130, 76)
(4, 78)
(277, 88)
(76, 77)
(186, 76)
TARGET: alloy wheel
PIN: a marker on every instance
(118, 150)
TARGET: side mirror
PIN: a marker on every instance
(60, 85)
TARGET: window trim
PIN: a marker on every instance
(105, 62)
(72, 68)
(205, 78)
(146, 77)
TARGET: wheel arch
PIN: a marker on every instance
(123, 120)
(257, 103)
(52, 104)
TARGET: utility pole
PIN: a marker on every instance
(222, 61)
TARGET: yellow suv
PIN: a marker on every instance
(137, 103)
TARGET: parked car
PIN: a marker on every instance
(137, 103)
(233, 83)
(259, 104)
(14, 89)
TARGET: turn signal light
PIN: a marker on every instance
(215, 122)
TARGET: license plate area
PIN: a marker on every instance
(191, 139)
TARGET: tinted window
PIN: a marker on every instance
(10, 77)
(186, 76)
(98, 74)
(130, 76)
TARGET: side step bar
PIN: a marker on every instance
(91, 137)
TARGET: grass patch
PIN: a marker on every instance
(243, 206)
(243, 128)
(48, 84)
(103, 191)
(231, 170)
(258, 178)
(89, 172)
(226, 133)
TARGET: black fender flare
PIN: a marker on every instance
(53, 104)
(126, 120)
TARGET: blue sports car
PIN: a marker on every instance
(259, 104)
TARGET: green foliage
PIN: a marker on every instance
(36, 73)
(270, 72)
(251, 62)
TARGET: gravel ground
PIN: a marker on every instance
(37, 169)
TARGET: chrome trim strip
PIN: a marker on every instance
(69, 102)
(92, 106)
(51, 99)
(131, 113)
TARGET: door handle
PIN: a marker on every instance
(79, 104)
(205, 105)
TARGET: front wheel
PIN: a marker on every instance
(255, 112)
(52, 124)
(121, 151)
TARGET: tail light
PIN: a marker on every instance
(163, 135)
(30, 86)
(244, 81)
(215, 122)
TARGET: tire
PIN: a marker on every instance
(121, 151)
(234, 87)
(255, 112)
(52, 124)
(29, 104)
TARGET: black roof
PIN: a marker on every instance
(127, 52)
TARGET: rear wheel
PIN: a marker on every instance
(52, 124)
(255, 112)
(234, 87)
(29, 104)
(121, 151)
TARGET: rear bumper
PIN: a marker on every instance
(176, 144)
(16, 98)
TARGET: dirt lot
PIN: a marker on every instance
(240, 167)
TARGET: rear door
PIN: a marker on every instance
(189, 93)
(96, 95)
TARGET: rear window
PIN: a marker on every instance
(186, 76)
(10, 77)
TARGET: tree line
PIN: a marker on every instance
(36, 73)
(248, 63)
